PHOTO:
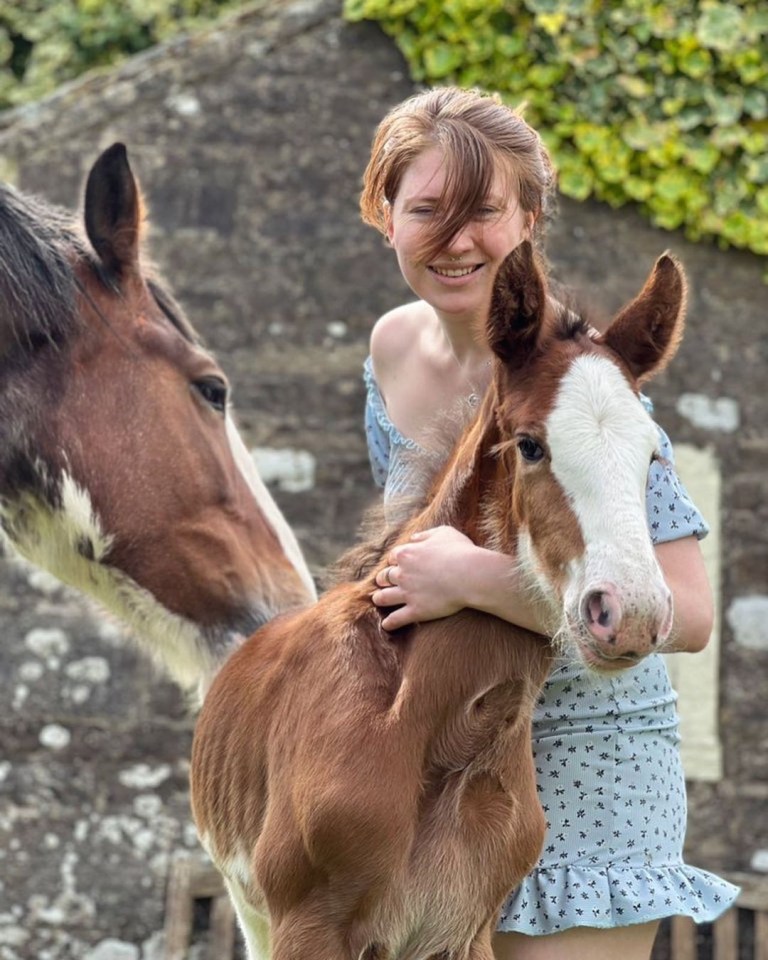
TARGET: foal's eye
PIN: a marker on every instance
(214, 391)
(530, 449)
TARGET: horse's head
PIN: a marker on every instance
(121, 470)
(570, 414)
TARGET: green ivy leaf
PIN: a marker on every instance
(441, 60)
(721, 27)
(576, 181)
(757, 169)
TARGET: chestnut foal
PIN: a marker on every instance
(373, 795)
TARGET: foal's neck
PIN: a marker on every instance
(472, 483)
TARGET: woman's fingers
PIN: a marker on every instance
(387, 576)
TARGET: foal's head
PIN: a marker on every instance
(121, 471)
(582, 442)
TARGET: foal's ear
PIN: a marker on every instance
(647, 332)
(113, 210)
(518, 304)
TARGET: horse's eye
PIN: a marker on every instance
(214, 391)
(530, 449)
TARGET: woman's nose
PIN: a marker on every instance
(461, 242)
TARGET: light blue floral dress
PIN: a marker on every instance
(607, 759)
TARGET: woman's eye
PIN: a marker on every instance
(214, 391)
(530, 450)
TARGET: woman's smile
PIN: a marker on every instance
(454, 273)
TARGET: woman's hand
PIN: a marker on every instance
(441, 571)
(425, 578)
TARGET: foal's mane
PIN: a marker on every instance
(40, 244)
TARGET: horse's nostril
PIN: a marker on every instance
(654, 639)
(604, 618)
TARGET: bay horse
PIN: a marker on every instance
(373, 795)
(121, 468)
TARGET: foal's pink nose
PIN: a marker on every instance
(617, 634)
(601, 612)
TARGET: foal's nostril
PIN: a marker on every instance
(598, 610)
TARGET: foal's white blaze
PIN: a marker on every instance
(601, 442)
(269, 508)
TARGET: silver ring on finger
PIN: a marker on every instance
(388, 576)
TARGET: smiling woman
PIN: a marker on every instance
(455, 181)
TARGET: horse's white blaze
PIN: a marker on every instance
(601, 441)
(269, 508)
(71, 544)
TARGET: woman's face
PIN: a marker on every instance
(448, 284)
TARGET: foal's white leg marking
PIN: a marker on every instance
(271, 511)
(54, 540)
(601, 440)
(255, 925)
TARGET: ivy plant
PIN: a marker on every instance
(660, 102)
(44, 43)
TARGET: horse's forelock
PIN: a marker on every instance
(40, 245)
(37, 281)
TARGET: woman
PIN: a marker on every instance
(455, 181)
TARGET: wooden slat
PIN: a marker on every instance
(725, 933)
(683, 938)
(179, 911)
(222, 945)
(761, 934)
(205, 881)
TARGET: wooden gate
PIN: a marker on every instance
(195, 890)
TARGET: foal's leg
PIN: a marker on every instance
(255, 925)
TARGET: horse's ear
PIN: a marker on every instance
(113, 210)
(647, 332)
(518, 304)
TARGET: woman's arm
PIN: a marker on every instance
(442, 571)
(683, 567)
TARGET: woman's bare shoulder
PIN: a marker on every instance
(397, 333)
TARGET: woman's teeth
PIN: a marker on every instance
(461, 272)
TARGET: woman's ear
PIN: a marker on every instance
(388, 224)
(528, 224)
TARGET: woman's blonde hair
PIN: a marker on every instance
(475, 131)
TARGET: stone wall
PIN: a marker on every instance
(250, 141)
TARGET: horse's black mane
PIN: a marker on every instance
(39, 244)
